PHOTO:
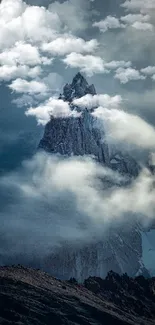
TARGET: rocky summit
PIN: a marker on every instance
(118, 249)
(32, 297)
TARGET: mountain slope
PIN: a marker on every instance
(33, 297)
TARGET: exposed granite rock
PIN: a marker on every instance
(124, 164)
(78, 88)
(121, 249)
(30, 296)
(75, 136)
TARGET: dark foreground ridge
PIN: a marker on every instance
(30, 296)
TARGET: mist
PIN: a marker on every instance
(51, 200)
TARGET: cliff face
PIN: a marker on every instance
(121, 249)
(75, 136)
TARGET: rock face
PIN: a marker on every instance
(124, 164)
(33, 297)
(75, 136)
(119, 250)
(78, 88)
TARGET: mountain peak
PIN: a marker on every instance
(78, 88)
(79, 79)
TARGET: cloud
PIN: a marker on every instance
(142, 26)
(148, 71)
(23, 54)
(26, 23)
(123, 127)
(117, 64)
(105, 100)
(26, 100)
(138, 21)
(86, 63)
(91, 64)
(51, 108)
(126, 75)
(8, 72)
(55, 188)
(42, 89)
(139, 5)
(58, 199)
(30, 87)
(66, 44)
(133, 18)
(108, 23)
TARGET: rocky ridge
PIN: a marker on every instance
(33, 297)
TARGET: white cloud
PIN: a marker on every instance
(109, 22)
(148, 70)
(105, 100)
(66, 44)
(11, 9)
(124, 127)
(143, 26)
(19, 21)
(139, 5)
(117, 64)
(52, 107)
(126, 75)
(138, 21)
(23, 54)
(42, 89)
(26, 100)
(30, 87)
(133, 18)
(68, 192)
(91, 64)
(153, 77)
(8, 72)
(86, 63)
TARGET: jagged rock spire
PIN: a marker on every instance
(78, 88)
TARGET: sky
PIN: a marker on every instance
(43, 44)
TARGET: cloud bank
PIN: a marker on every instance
(56, 199)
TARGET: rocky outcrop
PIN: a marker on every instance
(76, 136)
(118, 249)
(30, 296)
(78, 88)
(124, 164)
